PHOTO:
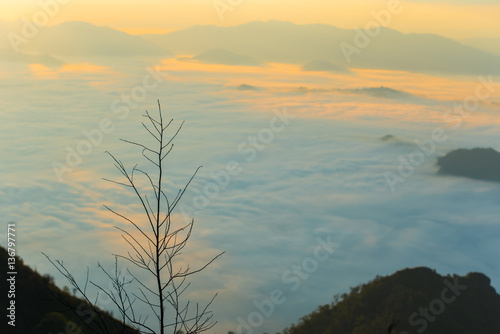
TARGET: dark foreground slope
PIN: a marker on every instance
(37, 311)
(414, 300)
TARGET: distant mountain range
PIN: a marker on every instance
(221, 56)
(316, 46)
(382, 92)
(276, 41)
(82, 39)
(491, 45)
(416, 300)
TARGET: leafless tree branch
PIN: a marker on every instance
(154, 251)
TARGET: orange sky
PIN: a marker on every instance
(452, 19)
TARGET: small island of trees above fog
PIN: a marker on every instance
(476, 163)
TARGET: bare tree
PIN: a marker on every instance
(155, 247)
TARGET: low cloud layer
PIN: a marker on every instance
(321, 175)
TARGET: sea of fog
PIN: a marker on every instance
(291, 188)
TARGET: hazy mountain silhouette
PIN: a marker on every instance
(82, 39)
(491, 45)
(276, 41)
(382, 92)
(39, 312)
(248, 87)
(391, 139)
(221, 56)
(272, 41)
(322, 65)
(413, 300)
(9, 55)
(476, 163)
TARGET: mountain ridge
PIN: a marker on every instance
(275, 41)
(80, 38)
(411, 300)
(286, 42)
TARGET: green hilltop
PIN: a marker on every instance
(416, 300)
